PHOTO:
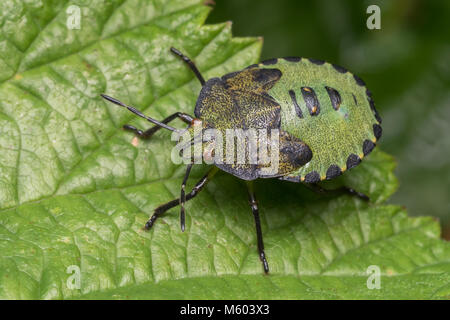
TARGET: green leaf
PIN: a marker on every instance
(75, 190)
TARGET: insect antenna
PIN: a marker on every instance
(183, 197)
(137, 112)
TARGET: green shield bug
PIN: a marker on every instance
(324, 118)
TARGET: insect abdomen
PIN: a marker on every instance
(329, 109)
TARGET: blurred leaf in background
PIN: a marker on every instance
(406, 64)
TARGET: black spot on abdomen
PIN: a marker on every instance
(270, 61)
(372, 105)
(333, 172)
(311, 101)
(377, 131)
(352, 161)
(368, 147)
(292, 59)
(298, 111)
(359, 81)
(339, 68)
(312, 177)
(335, 97)
(316, 61)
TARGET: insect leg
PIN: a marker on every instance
(149, 133)
(190, 64)
(254, 206)
(318, 189)
(169, 205)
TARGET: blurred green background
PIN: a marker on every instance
(406, 65)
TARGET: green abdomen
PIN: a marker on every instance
(330, 110)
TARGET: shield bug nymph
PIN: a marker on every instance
(324, 116)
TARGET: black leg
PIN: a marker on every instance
(169, 205)
(259, 237)
(318, 189)
(148, 133)
(190, 64)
